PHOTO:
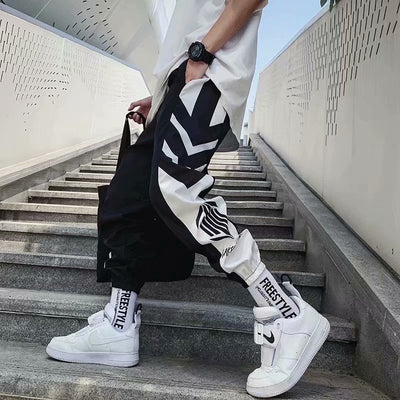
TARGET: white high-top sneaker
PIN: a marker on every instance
(99, 342)
(287, 346)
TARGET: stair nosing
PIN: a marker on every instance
(76, 195)
(34, 302)
(36, 259)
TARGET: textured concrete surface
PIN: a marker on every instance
(80, 239)
(183, 329)
(17, 179)
(110, 169)
(112, 160)
(76, 274)
(247, 187)
(243, 184)
(27, 371)
(358, 285)
(236, 206)
(237, 202)
(57, 252)
(104, 177)
(201, 315)
(89, 263)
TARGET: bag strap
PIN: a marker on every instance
(126, 134)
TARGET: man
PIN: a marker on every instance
(155, 217)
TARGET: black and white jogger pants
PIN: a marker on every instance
(155, 216)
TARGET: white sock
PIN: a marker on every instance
(123, 303)
(267, 293)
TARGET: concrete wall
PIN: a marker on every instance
(57, 92)
(329, 105)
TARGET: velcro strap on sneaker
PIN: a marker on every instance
(258, 333)
(291, 289)
(96, 318)
(266, 335)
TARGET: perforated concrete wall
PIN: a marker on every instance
(329, 104)
(56, 93)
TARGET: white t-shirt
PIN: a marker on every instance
(233, 67)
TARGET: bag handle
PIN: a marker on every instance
(126, 134)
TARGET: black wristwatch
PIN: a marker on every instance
(197, 52)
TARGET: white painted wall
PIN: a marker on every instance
(128, 29)
(329, 105)
(56, 93)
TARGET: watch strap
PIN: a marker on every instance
(207, 56)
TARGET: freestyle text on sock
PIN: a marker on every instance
(267, 292)
(271, 295)
(122, 309)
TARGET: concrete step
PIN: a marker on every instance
(230, 184)
(248, 206)
(236, 193)
(47, 212)
(220, 290)
(169, 328)
(81, 239)
(112, 160)
(225, 158)
(91, 186)
(264, 227)
(227, 155)
(249, 195)
(28, 373)
(77, 274)
(259, 226)
(242, 157)
(74, 186)
(98, 166)
(241, 150)
(91, 172)
(63, 197)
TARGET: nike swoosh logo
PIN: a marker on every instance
(96, 340)
(270, 339)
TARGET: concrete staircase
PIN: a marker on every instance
(197, 335)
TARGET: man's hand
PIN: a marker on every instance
(144, 108)
(195, 70)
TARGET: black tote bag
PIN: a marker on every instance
(103, 252)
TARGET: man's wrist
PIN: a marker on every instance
(208, 46)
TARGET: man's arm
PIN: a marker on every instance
(235, 15)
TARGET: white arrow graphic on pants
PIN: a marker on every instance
(190, 148)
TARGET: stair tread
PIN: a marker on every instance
(241, 183)
(166, 312)
(90, 229)
(218, 182)
(85, 262)
(112, 160)
(211, 167)
(106, 176)
(63, 183)
(92, 210)
(94, 196)
(155, 378)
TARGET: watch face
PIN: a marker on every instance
(196, 50)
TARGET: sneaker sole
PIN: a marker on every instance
(314, 344)
(112, 359)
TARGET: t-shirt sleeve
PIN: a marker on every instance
(261, 6)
